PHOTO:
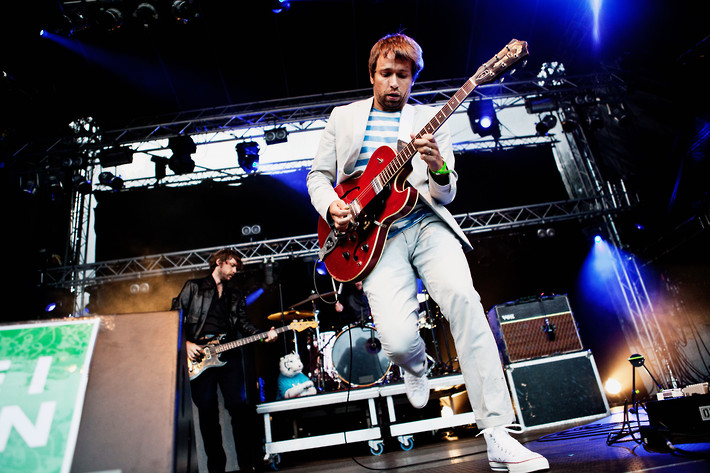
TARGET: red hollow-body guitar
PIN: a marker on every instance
(381, 195)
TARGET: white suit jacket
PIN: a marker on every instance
(340, 146)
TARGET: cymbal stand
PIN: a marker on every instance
(320, 379)
(439, 367)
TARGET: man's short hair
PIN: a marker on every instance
(403, 47)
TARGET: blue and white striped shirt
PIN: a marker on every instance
(382, 130)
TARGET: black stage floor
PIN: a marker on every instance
(570, 448)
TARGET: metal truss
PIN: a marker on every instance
(300, 112)
(306, 246)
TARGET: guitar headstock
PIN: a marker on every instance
(301, 325)
(513, 52)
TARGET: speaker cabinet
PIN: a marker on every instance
(533, 329)
(557, 390)
(137, 413)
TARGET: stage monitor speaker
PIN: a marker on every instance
(557, 390)
(137, 413)
(526, 330)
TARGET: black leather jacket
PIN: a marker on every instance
(195, 299)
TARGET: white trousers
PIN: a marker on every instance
(430, 250)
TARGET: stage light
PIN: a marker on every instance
(279, 6)
(612, 386)
(54, 187)
(29, 187)
(251, 230)
(184, 11)
(597, 239)
(321, 269)
(594, 119)
(547, 123)
(570, 121)
(81, 184)
(254, 296)
(546, 232)
(115, 156)
(483, 119)
(585, 99)
(619, 115)
(540, 104)
(108, 179)
(248, 156)
(110, 19)
(181, 161)
(146, 14)
(275, 135)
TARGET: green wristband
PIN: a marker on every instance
(442, 171)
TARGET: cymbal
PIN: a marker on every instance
(313, 297)
(291, 315)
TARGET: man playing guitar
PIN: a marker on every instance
(210, 308)
(423, 241)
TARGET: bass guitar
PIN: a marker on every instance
(380, 195)
(212, 350)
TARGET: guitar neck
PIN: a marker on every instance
(512, 53)
(434, 124)
(246, 340)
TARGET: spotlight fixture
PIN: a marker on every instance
(115, 156)
(547, 123)
(181, 161)
(29, 187)
(248, 156)
(146, 14)
(585, 99)
(279, 6)
(110, 19)
(54, 187)
(619, 115)
(251, 230)
(483, 119)
(546, 232)
(184, 11)
(81, 184)
(275, 135)
(594, 119)
(570, 121)
(108, 179)
(540, 104)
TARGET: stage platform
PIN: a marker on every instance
(370, 414)
(576, 448)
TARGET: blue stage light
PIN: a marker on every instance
(597, 239)
(254, 296)
(321, 269)
(482, 116)
(43, 33)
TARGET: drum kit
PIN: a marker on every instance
(353, 356)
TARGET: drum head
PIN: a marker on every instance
(358, 357)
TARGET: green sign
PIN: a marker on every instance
(44, 368)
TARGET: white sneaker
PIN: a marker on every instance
(417, 388)
(506, 454)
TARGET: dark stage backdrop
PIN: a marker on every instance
(160, 220)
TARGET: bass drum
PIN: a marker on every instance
(358, 358)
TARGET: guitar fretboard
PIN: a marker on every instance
(243, 341)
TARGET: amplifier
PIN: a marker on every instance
(557, 390)
(530, 329)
